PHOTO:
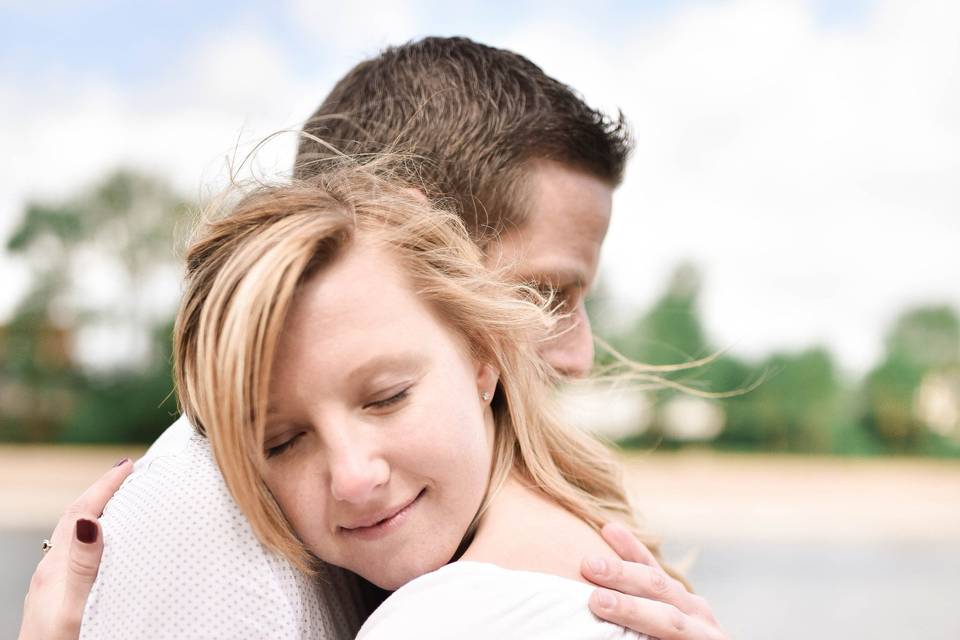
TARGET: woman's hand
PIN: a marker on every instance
(53, 608)
(639, 595)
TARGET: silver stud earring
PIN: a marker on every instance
(485, 396)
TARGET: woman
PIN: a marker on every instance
(374, 400)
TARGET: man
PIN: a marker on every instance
(531, 170)
(526, 163)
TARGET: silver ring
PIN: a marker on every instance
(45, 545)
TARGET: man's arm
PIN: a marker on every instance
(637, 593)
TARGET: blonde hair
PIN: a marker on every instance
(243, 272)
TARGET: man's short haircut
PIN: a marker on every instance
(471, 117)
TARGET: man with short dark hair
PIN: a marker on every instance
(527, 164)
(531, 170)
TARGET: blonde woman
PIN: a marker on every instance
(374, 398)
(531, 169)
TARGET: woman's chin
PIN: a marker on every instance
(390, 583)
(399, 573)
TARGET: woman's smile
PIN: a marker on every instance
(383, 523)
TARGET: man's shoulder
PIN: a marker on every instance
(178, 551)
(176, 491)
(177, 472)
(173, 440)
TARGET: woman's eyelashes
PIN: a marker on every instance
(283, 446)
(376, 405)
(396, 398)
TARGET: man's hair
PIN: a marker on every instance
(471, 118)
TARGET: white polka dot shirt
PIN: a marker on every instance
(181, 561)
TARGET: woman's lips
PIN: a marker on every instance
(386, 525)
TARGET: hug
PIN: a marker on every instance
(366, 359)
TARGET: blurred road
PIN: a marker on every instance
(786, 547)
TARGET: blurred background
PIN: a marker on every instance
(793, 207)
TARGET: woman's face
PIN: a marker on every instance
(378, 439)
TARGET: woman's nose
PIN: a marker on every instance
(356, 472)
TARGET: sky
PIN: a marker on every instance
(805, 155)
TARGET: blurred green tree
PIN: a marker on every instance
(101, 264)
(671, 331)
(921, 340)
(802, 403)
(793, 409)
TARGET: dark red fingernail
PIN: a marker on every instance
(120, 462)
(86, 531)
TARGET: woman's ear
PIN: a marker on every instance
(487, 378)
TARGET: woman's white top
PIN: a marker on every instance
(475, 600)
(181, 561)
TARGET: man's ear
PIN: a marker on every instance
(487, 378)
(417, 194)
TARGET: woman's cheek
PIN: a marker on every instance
(297, 497)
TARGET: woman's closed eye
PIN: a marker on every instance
(284, 446)
(390, 400)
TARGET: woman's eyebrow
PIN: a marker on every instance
(409, 361)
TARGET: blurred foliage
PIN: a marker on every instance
(794, 402)
(791, 401)
(124, 224)
(671, 330)
(921, 341)
(792, 409)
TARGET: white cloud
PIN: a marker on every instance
(237, 86)
(810, 170)
(62, 133)
(362, 28)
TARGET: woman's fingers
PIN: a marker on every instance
(86, 548)
(53, 608)
(90, 504)
(656, 619)
(95, 498)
